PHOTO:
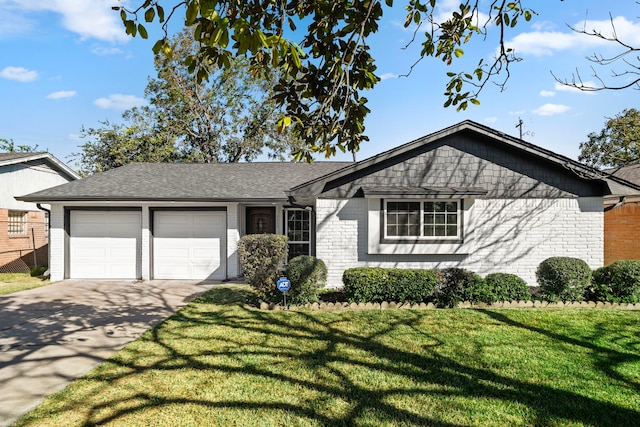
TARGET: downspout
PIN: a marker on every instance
(48, 212)
(618, 204)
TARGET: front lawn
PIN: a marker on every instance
(221, 364)
(15, 282)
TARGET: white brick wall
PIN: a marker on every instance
(56, 243)
(511, 236)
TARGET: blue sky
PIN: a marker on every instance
(66, 64)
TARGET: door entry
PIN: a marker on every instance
(261, 220)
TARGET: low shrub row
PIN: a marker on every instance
(571, 279)
(264, 259)
(444, 287)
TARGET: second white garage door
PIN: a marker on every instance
(189, 245)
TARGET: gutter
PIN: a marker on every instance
(620, 202)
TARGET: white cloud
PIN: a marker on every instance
(89, 19)
(547, 93)
(19, 74)
(544, 43)
(551, 109)
(492, 119)
(119, 101)
(62, 94)
(104, 51)
(387, 76)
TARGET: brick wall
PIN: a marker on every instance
(510, 236)
(622, 233)
(17, 251)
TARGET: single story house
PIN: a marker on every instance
(24, 226)
(622, 219)
(466, 196)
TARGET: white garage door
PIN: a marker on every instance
(189, 245)
(104, 244)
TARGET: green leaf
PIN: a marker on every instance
(527, 15)
(474, 101)
(389, 3)
(192, 13)
(157, 47)
(160, 11)
(130, 27)
(143, 31)
(149, 14)
(458, 52)
(123, 15)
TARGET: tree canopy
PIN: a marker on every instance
(325, 68)
(8, 146)
(617, 144)
(229, 117)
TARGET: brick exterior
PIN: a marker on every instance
(511, 236)
(17, 252)
(622, 232)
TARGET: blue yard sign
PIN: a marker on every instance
(283, 284)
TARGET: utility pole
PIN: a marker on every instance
(519, 125)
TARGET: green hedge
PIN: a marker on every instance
(563, 278)
(457, 286)
(617, 282)
(375, 284)
(307, 275)
(500, 287)
(263, 257)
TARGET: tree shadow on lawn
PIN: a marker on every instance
(328, 362)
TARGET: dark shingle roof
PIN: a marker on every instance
(189, 182)
(629, 173)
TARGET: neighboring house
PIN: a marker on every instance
(467, 196)
(24, 229)
(622, 219)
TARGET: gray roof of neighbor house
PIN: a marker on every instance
(629, 173)
(260, 181)
(7, 159)
(535, 155)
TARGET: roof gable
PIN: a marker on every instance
(464, 156)
(36, 159)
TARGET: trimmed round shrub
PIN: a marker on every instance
(376, 284)
(307, 275)
(37, 271)
(563, 278)
(263, 257)
(617, 282)
(501, 287)
(457, 285)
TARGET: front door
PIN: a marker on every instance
(261, 220)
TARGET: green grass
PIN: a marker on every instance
(16, 282)
(221, 364)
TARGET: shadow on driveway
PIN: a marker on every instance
(52, 335)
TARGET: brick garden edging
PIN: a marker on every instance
(465, 304)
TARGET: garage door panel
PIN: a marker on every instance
(104, 244)
(189, 245)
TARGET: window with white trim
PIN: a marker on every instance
(298, 230)
(17, 223)
(422, 219)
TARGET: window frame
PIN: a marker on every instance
(421, 238)
(17, 226)
(308, 215)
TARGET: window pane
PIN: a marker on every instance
(403, 219)
(439, 230)
(297, 249)
(452, 230)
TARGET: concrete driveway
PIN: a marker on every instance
(52, 335)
